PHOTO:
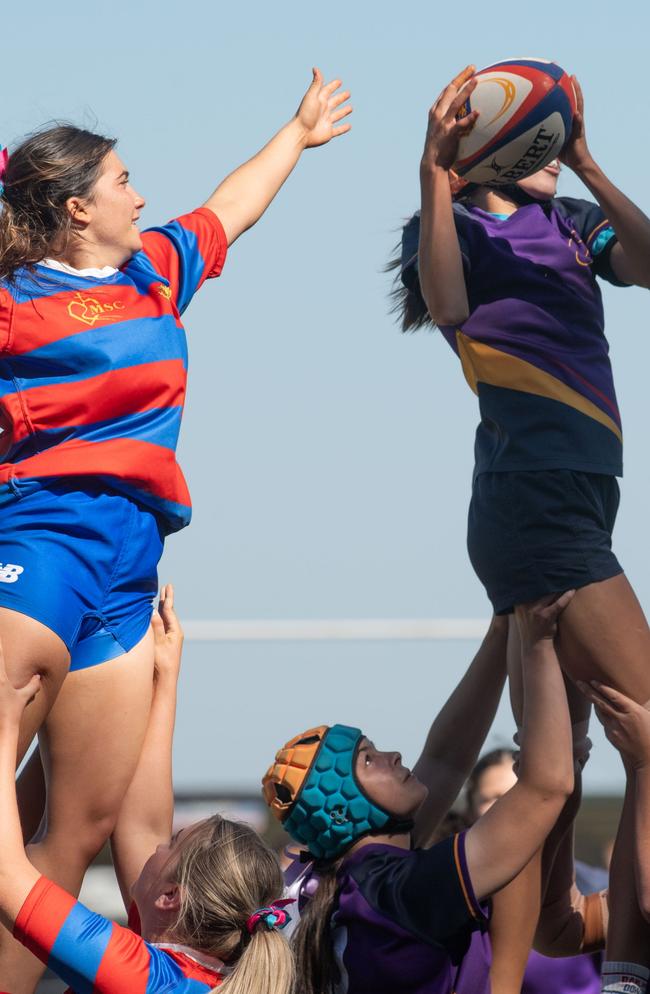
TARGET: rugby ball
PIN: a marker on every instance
(526, 109)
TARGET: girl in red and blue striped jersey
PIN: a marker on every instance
(92, 384)
(205, 907)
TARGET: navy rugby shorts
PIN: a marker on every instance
(81, 560)
(534, 533)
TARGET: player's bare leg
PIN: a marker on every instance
(604, 636)
(30, 647)
(90, 745)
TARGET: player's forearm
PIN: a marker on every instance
(518, 903)
(148, 805)
(241, 199)
(17, 875)
(546, 761)
(631, 225)
(440, 264)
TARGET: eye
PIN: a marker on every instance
(367, 759)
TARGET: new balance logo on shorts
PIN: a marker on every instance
(10, 572)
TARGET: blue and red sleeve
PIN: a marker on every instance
(186, 252)
(88, 952)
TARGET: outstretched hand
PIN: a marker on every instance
(575, 153)
(444, 130)
(14, 700)
(321, 109)
(167, 635)
(626, 723)
(537, 620)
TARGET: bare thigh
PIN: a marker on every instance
(29, 647)
(604, 635)
(92, 739)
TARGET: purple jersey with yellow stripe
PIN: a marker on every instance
(96, 956)
(403, 918)
(93, 370)
(533, 347)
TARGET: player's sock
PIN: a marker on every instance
(624, 978)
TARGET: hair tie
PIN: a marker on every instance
(272, 917)
(4, 159)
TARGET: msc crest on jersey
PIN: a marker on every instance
(10, 572)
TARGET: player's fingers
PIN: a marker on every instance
(613, 696)
(338, 99)
(341, 130)
(560, 603)
(158, 628)
(460, 99)
(329, 88)
(463, 76)
(31, 688)
(340, 114)
(465, 124)
(578, 92)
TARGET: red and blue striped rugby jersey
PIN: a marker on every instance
(93, 370)
(96, 956)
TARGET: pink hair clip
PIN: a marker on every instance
(4, 159)
(273, 917)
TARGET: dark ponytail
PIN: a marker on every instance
(44, 171)
(316, 967)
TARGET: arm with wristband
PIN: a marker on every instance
(630, 257)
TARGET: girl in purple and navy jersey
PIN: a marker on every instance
(381, 909)
(205, 906)
(93, 364)
(509, 274)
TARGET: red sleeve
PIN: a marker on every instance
(186, 252)
(6, 312)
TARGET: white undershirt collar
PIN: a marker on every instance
(95, 273)
(211, 962)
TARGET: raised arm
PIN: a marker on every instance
(504, 839)
(627, 726)
(145, 818)
(440, 264)
(17, 875)
(245, 194)
(458, 732)
(630, 258)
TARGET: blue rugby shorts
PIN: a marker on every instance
(83, 561)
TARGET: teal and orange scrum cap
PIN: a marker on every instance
(312, 789)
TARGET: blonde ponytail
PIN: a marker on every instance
(264, 967)
(226, 874)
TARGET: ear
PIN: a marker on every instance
(169, 900)
(78, 211)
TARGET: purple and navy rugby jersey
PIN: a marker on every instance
(403, 919)
(93, 370)
(533, 347)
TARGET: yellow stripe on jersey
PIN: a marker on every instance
(483, 364)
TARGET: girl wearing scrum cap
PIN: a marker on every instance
(509, 275)
(205, 906)
(380, 909)
(93, 363)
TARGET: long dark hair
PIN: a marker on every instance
(406, 300)
(317, 969)
(43, 172)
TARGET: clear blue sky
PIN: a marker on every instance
(329, 458)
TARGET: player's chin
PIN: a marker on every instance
(541, 186)
(135, 240)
